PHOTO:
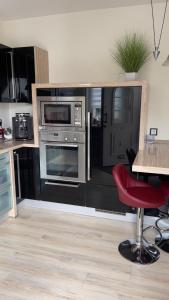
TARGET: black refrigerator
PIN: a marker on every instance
(114, 127)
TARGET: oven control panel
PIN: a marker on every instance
(62, 136)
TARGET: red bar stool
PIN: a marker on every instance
(162, 221)
(136, 193)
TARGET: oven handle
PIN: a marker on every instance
(58, 144)
(62, 184)
(88, 146)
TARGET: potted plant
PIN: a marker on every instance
(131, 52)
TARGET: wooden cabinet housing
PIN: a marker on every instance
(115, 126)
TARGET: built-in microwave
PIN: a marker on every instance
(63, 112)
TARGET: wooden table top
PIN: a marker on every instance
(153, 159)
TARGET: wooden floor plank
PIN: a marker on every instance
(54, 255)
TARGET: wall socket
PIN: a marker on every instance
(154, 131)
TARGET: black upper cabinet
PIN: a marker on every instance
(62, 92)
(24, 73)
(6, 87)
(17, 72)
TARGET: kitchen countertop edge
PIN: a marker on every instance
(13, 145)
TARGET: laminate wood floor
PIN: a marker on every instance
(60, 256)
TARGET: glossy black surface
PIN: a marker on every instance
(115, 114)
(17, 73)
(6, 92)
(29, 172)
(24, 70)
(64, 92)
(62, 194)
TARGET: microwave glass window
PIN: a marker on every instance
(62, 161)
(57, 114)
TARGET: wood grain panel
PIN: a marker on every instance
(41, 65)
(153, 159)
(13, 211)
(57, 256)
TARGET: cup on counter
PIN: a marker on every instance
(149, 139)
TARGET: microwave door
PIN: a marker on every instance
(56, 114)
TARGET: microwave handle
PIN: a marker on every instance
(88, 146)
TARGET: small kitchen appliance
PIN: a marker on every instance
(22, 125)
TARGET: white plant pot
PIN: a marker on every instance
(131, 76)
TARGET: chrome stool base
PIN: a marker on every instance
(144, 254)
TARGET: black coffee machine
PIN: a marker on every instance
(22, 125)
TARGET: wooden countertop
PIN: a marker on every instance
(153, 159)
(6, 146)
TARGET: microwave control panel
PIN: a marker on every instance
(78, 114)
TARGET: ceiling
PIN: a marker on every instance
(19, 9)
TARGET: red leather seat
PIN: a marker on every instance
(134, 192)
(142, 195)
(165, 188)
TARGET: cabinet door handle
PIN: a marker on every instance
(88, 146)
(13, 78)
(18, 174)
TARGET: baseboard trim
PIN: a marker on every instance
(81, 210)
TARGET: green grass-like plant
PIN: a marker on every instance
(131, 52)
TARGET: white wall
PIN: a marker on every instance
(8, 110)
(4, 114)
(79, 46)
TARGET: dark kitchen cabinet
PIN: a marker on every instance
(27, 178)
(73, 195)
(24, 67)
(121, 120)
(20, 67)
(6, 87)
(62, 92)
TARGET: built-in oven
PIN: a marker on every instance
(63, 156)
(63, 112)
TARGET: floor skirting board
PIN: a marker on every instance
(81, 210)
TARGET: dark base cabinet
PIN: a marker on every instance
(62, 194)
(104, 198)
(101, 191)
(28, 168)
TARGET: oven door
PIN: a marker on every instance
(57, 114)
(62, 162)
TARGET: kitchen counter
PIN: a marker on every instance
(153, 159)
(6, 146)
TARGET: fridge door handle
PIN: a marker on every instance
(88, 147)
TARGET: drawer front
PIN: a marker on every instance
(4, 175)
(5, 200)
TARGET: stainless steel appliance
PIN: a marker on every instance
(63, 112)
(22, 126)
(63, 155)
